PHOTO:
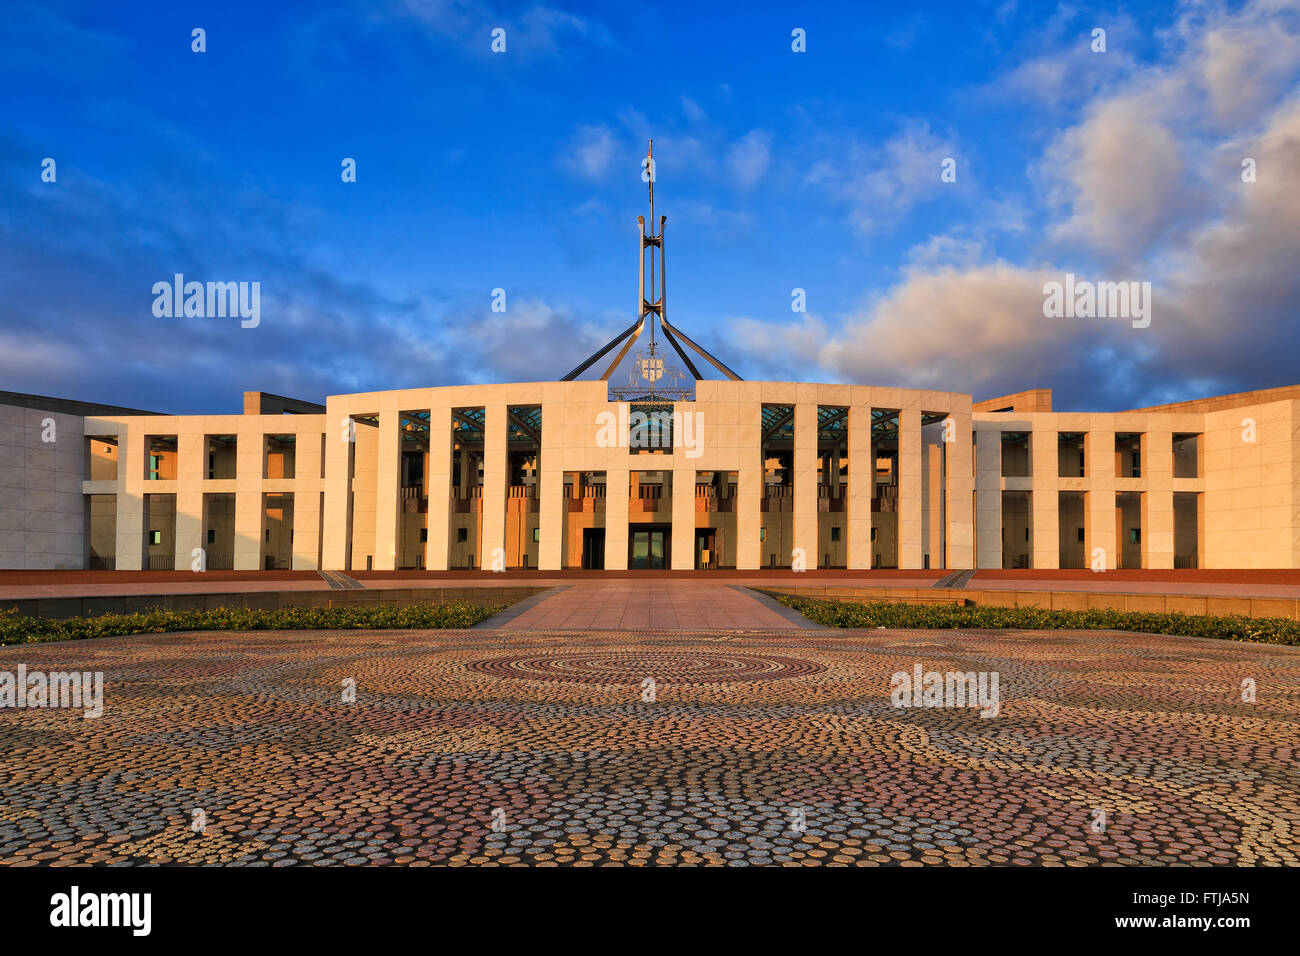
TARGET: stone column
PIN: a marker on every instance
(550, 486)
(1099, 510)
(988, 496)
(683, 546)
(934, 503)
(616, 498)
(439, 516)
(749, 485)
(805, 484)
(191, 467)
(387, 490)
(862, 481)
(1044, 500)
(1158, 500)
(960, 503)
(250, 459)
(339, 449)
(909, 488)
(494, 488)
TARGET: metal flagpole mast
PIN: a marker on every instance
(650, 176)
(651, 309)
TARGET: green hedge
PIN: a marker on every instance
(38, 630)
(1268, 630)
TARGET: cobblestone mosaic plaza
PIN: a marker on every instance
(473, 747)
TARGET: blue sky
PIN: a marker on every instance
(521, 170)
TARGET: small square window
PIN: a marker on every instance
(212, 536)
(1135, 535)
(155, 537)
(424, 535)
(1080, 534)
(835, 533)
(537, 534)
(462, 534)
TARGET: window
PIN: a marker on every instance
(1081, 534)
(762, 534)
(278, 456)
(1070, 462)
(462, 534)
(650, 429)
(1135, 535)
(1016, 458)
(212, 536)
(873, 534)
(221, 456)
(1186, 456)
(160, 457)
(424, 535)
(537, 534)
(835, 533)
(155, 537)
(1128, 454)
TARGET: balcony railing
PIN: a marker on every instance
(588, 498)
(708, 500)
(466, 500)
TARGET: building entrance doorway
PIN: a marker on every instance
(647, 548)
(593, 549)
(706, 555)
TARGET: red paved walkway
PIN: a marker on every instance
(629, 606)
(17, 585)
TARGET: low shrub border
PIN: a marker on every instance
(1264, 630)
(39, 630)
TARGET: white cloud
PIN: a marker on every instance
(1123, 178)
(590, 151)
(887, 182)
(1246, 63)
(538, 30)
(1144, 165)
(748, 158)
(693, 111)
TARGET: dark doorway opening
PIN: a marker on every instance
(706, 554)
(593, 549)
(648, 548)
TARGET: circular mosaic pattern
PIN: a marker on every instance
(1107, 749)
(633, 666)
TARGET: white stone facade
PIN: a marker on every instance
(1212, 484)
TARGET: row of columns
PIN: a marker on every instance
(1099, 485)
(189, 488)
(746, 460)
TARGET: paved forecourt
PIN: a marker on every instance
(25, 585)
(711, 747)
